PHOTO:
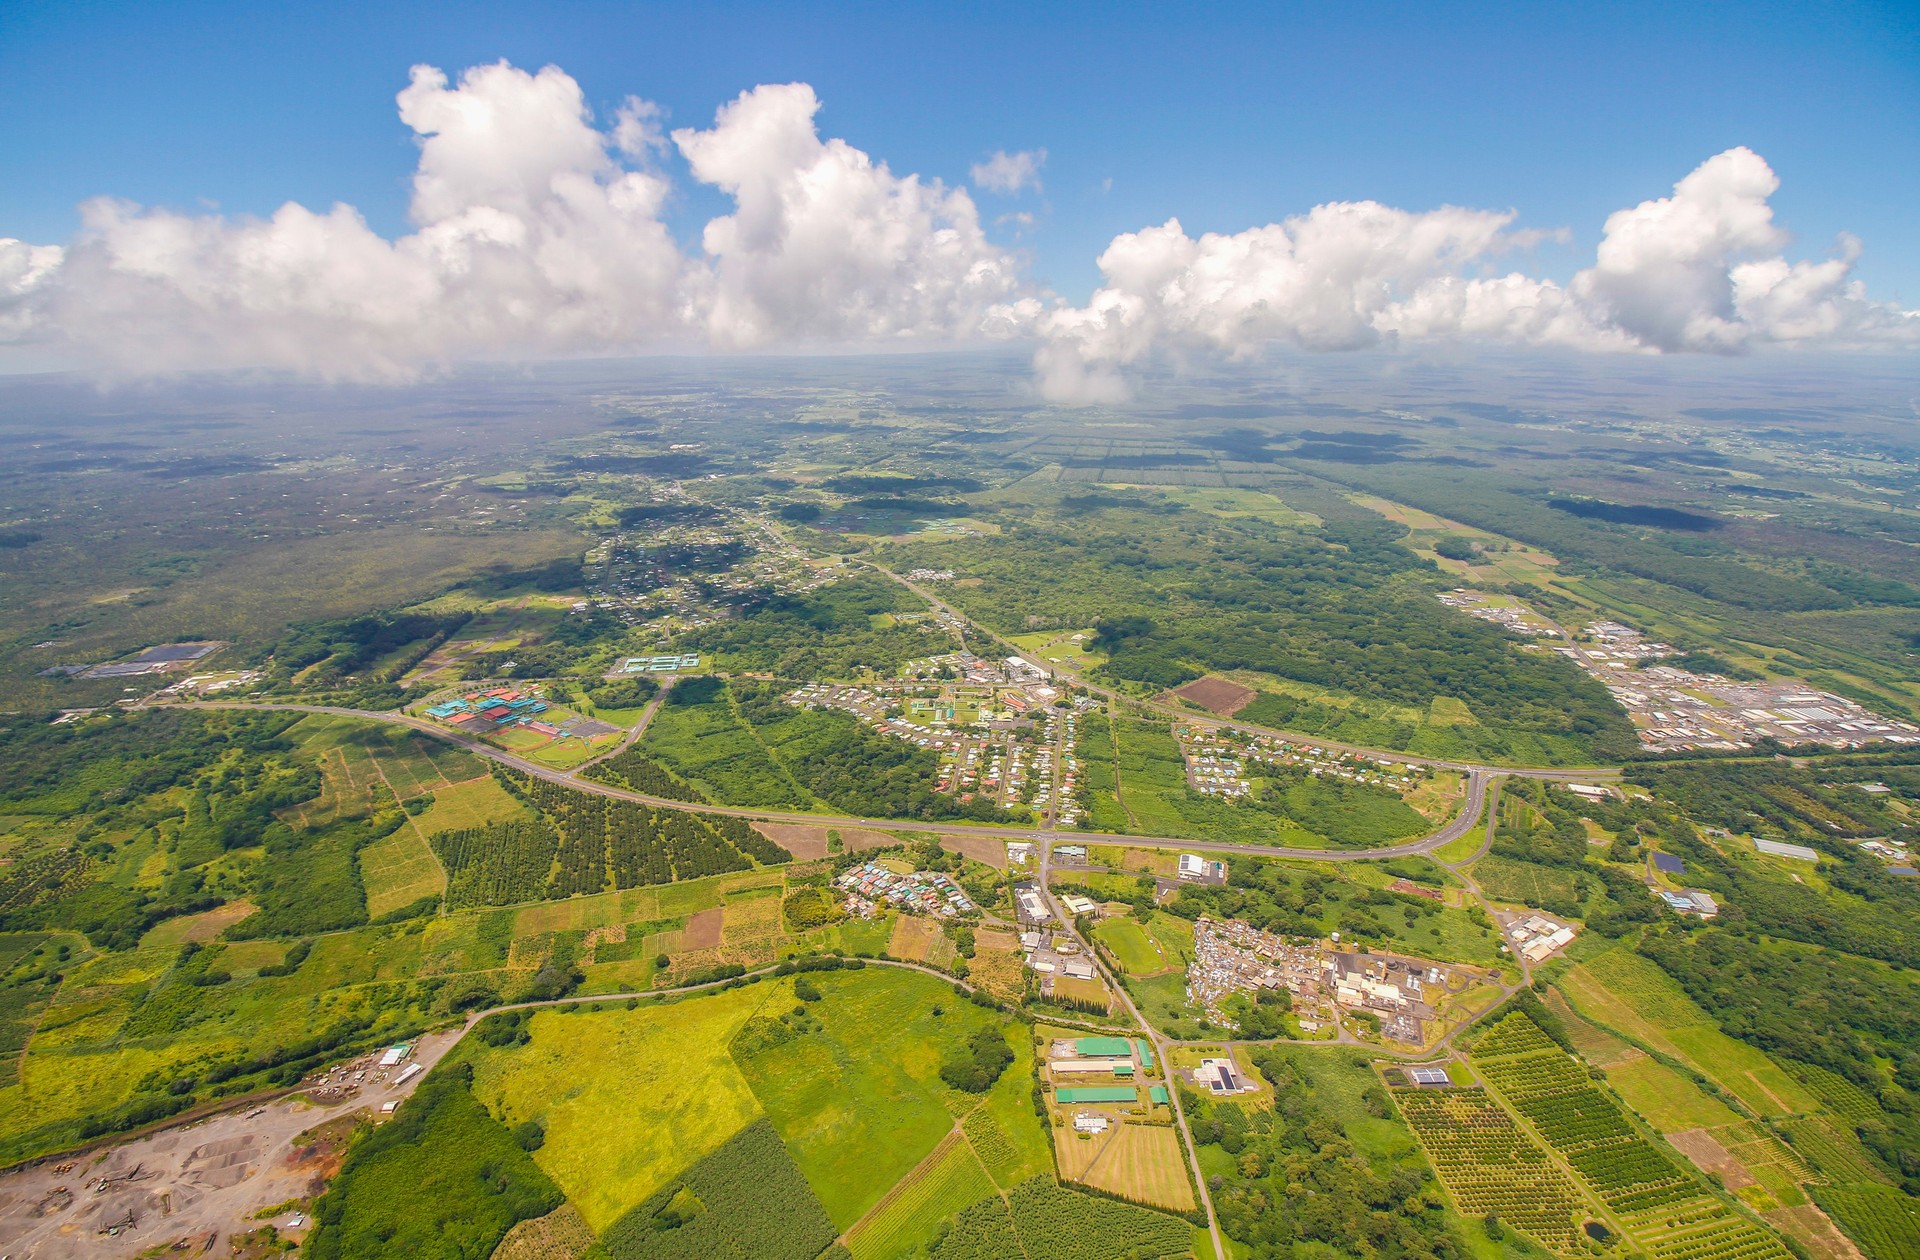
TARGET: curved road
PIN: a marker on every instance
(1478, 779)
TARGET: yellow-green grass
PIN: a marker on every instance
(1128, 941)
(1239, 504)
(197, 927)
(398, 870)
(652, 904)
(1143, 1163)
(241, 957)
(629, 1098)
(861, 1103)
(1005, 1133)
(564, 754)
(1173, 934)
(1744, 1071)
(1094, 990)
(907, 1217)
(1667, 1100)
(1463, 847)
(83, 1061)
(1437, 796)
(474, 803)
(1525, 883)
(1622, 991)
(1593, 1043)
(1450, 711)
(625, 718)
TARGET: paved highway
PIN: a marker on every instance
(1477, 780)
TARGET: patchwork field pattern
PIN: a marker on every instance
(1661, 1205)
(947, 1181)
(1489, 1166)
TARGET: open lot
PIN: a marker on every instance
(1217, 695)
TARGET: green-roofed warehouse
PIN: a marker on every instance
(1103, 1047)
(1146, 1052)
(1098, 1094)
(1159, 1094)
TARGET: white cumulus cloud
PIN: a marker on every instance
(535, 234)
(1006, 172)
(1701, 270)
(827, 244)
(538, 231)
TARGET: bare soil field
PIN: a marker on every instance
(986, 850)
(197, 1183)
(703, 929)
(1217, 695)
(912, 937)
(1709, 1156)
(807, 841)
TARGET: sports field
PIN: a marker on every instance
(1137, 954)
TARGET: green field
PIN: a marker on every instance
(861, 1102)
(852, 1090)
(1528, 883)
(399, 870)
(913, 1210)
(699, 735)
(1667, 1100)
(600, 1150)
(1623, 991)
(1137, 955)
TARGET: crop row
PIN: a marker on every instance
(1516, 1034)
(1489, 1166)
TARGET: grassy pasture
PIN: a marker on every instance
(473, 803)
(906, 1218)
(1138, 954)
(1143, 1163)
(861, 1103)
(629, 1098)
(1623, 991)
(1527, 883)
(201, 927)
(398, 870)
(1665, 1099)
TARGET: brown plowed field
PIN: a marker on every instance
(1216, 695)
(703, 930)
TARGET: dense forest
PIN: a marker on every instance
(1501, 505)
(442, 1149)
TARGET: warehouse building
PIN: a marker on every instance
(1097, 1094)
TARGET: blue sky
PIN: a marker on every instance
(1226, 115)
